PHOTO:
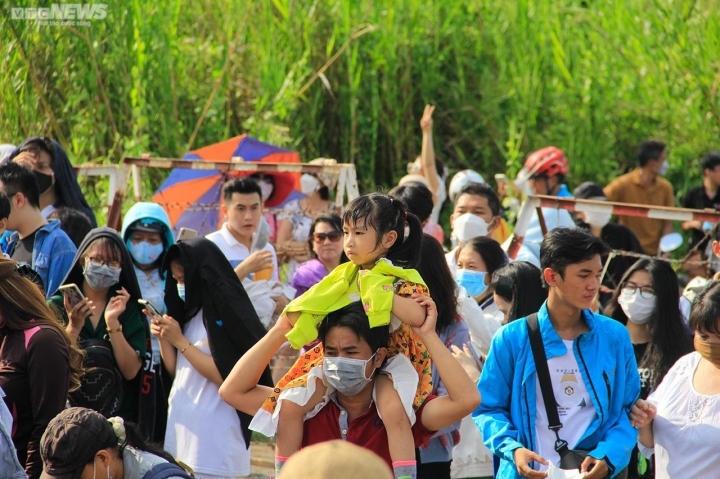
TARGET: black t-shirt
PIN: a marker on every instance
(697, 199)
(24, 249)
(645, 374)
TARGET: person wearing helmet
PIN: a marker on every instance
(645, 185)
(544, 172)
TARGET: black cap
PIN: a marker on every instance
(71, 440)
(589, 190)
(148, 225)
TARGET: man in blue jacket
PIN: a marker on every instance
(36, 241)
(592, 370)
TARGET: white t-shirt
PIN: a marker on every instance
(451, 258)
(237, 252)
(687, 425)
(575, 409)
(203, 431)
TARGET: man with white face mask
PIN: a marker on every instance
(354, 353)
(476, 213)
(616, 236)
(645, 185)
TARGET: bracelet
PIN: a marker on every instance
(116, 330)
(182, 351)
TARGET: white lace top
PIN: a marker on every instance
(687, 425)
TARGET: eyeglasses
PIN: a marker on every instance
(645, 292)
(333, 236)
(96, 261)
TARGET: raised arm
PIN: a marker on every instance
(462, 395)
(427, 152)
(241, 389)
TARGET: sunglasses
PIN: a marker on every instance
(333, 236)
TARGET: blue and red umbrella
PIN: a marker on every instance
(192, 198)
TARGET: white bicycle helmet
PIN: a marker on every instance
(461, 179)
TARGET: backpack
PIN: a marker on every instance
(165, 470)
(101, 386)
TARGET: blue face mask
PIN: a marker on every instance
(143, 252)
(472, 281)
(181, 291)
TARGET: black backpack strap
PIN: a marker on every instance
(543, 374)
(165, 470)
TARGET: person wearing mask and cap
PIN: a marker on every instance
(55, 176)
(616, 236)
(80, 443)
(148, 235)
(476, 213)
(645, 185)
(297, 216)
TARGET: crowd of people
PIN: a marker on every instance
(365, 338)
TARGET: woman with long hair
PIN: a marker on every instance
(436, 455)
(210, 324)
(38, 363)
(56, 177)
(648, 303)
(679, 424)
(518, 290)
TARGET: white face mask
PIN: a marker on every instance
(266, 188)
(664, 168)
(638, 309)
(469, 226)
(309, 184)
(596, 219)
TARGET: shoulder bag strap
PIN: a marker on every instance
(543, 374)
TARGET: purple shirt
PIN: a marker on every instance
(307, 275)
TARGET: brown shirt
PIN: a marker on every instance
(628, 189)
(34, 373)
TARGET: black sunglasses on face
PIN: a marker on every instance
(333, 236)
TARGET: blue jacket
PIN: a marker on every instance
(506, 416)
(52, 257)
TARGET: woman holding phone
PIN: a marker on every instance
(108, 318)
(210, 324)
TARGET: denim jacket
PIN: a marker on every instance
(10, 467)
(506, 416)
(53, 254)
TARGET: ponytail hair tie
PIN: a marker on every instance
(118, 425)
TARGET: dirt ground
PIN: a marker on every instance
(262, 464)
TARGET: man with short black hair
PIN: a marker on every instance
(349, 415)
(238, 238)
(645, 185)
(706, 196)
(592, 370)
(40, 243)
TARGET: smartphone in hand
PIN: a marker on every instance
(186, 234)
(72, 293)
(150, 308)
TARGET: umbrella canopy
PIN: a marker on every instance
(192, 198)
